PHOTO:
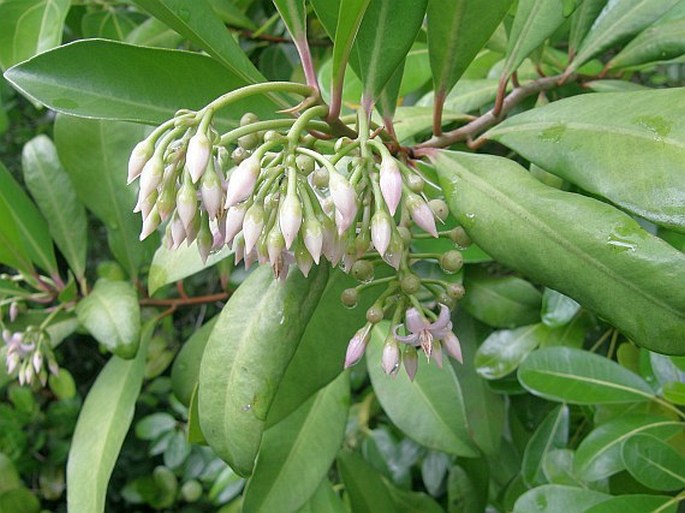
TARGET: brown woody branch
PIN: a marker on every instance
(185, 301)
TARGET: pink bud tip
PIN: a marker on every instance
(151, 176)
(252, 226)
(234, 221)
(242, 181)
(357, 346)
(390, 359)
(139, 157)
(453, 347)
(197, 156)
(313, 238)
(391, 184)
(290, 218)
(423, 216)
(381, 232)
(411, 363)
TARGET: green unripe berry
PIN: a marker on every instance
(305, 163)
(238, 155)
(439, 208)
(446, 300)
(362, 270)
(452, 261)
(249, 141)
(272, 136)
(191, 491)
(320, 178)
(460, 237)
(414, 182)
(375, 314)
(410, 284)
(455, 291)
(349, 297)
(248, 118)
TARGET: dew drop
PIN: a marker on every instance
(247, 407)
(184, 14)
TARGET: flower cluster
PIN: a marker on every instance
(26, 355)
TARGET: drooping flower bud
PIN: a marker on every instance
(166, 201)
(211, 191)
(332, 246)
(381, 231)
(393, 255)
(390, 358)
(275, 244)
(391, 183)
(290, 217)
(178, 233)
(192, 230)
(451, 344)
(357, 346)
(345, 200)
(422, 214)
(410, 358)
(139, 157)
(252, 226)
(14, 311)
(436, 353)
(313, 237)
(242, 182)
(197, 156)
(37, 361)
(204, 239)
(150, 223)
(303, 259)
(186, 205)
(151, 176)
(234, 221)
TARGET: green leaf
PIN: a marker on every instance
(242, 367)
(294, 16)
(614, 86)
(296, 453)
(95, 155)
(389, 97)
(599, 454)
(503, 302)
(467, 96)
(102, 425)
(654, 463)
(467, 491)
(507, 212)
(551, 434)
(457, 31)
(582, 20)
(660, 42)
(29, 27)
(231, 14)
(27, 222)
(411, 120)
(644, 175)
(12, 250)
(556, 498)
(186, 368)
(148, 89)
(580, 377)
(557, 309)
(436, 417)
(534, 22)
(385, 36)
(112, 315)
(108, 23)
(364, 486)
(170, 266)
(674, 393)
(636, 504)
(54, 193)
(19, 500)
(557, 467)
(618, 21)
(153, 32)
(198, 22)
(504, 350)
(324, 500)
(154, 425)
(412, 502)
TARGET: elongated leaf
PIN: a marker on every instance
(430, 409)
(534, 22)
(297, 452)
(385, 36)
(102, 425)
(294, 16)
(582, 21)
(324, 500)
(580, 377)
(654, 463)
(24, 220)
(636, 504)
(619, 19)
(169, 266)
(242, 364)
(149, 89)
(551, 434)
(350, 14)
(113, 24)
(556, 498)
(186, 368)
(29, 27)
(12, 250)
(645, 173)
(658, 43)
(557, 309)
(467, 489)
(95, 155)
(457, 31)
(412, 502)
(54, 193)
(387, 100)
(112, 315)
(504, 350)
(507, 212)
(153, 32)
(599, 454)
(364, 485)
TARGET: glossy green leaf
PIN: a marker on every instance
(102, 425)
(557, 467)
(412, 502)
(506, 212)
(557, 498)
(169, 266)
(186, 368)
(296, 453)
(112, 315)
(350, 14)
(147, 90)
(457, 31)
(55, 196)
(504, 350)
(580, 377)
(644, 174)
(26, 222)
(557, 309)
(12, 250)
(95, 155)
(674, 393)
(231, 13)
(389, 97)
(436, 417)
(364, 486)
(636, 504)
(599, 454)
(385, 36)
(154, 425)
(551, 434)
(19, 500)
(108, 23)
(614, 86)
(654, 463)
(153, 32)
(582, 20)
(660, 42)
(242, 367)
(534, 22)
(294, 16)
(324, 500)
(617, 21)
(503, 302)
(29, 27)
(466, 492)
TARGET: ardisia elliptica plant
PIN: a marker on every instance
(511, 173)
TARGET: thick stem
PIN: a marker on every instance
(305, 53)
(438, 106)
(261, 88)
(185, 301)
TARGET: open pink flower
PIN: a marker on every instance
(422, 333)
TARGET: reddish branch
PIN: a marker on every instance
(185, 301)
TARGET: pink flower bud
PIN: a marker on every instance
(332, 246)
(53, 367)
(178, 232)
(451, 344)
(252, 226)
(197, 156)
(150, 223)
(393, 255)
(211, 192)
(290, 217)
(12, 362)
(410, 358)
(381, 232)
(139, 157)
(238, 249)
(186, 206)
(166, 201)
(422, 214)
(274, 245)
(37, 361)
(151, 176)
(250, 258)
(144, 205)
(14, 311)
(357, 346)
(345, 200)
(234, 221)
(390, 358)
(313, 238)
(242, 181)
(436, 354)
(304, 260)
(204, 240)
(391, 183)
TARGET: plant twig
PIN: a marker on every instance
(185, 301)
